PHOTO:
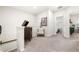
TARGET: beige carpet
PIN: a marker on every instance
(74, 36)
(52, 44)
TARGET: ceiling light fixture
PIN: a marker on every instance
(35, 7)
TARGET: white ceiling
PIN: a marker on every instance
(35, 9)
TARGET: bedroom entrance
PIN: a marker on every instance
(59, 23)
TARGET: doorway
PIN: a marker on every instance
(59, 23)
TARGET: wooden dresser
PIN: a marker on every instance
(27, 33)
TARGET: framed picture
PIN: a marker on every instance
(44, 21)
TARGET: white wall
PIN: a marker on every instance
(73, 10)
(51, 23)
(74, 13)
(11, 18)
(50, 28)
